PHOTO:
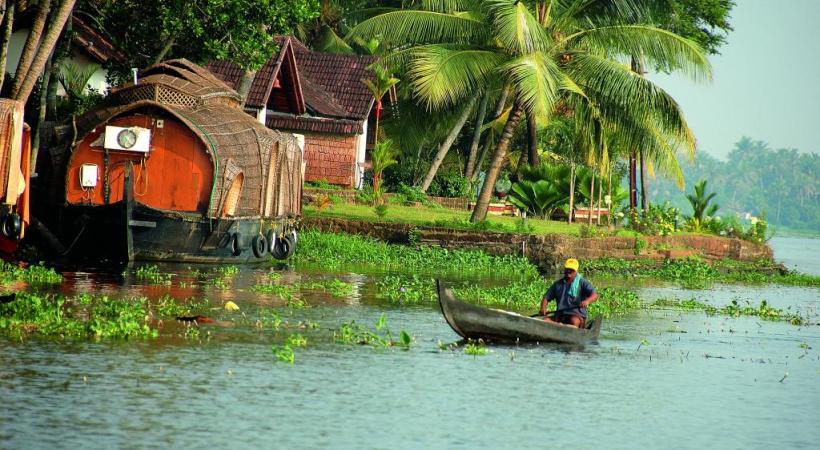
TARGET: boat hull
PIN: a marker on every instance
(122, 233)
(477, 322)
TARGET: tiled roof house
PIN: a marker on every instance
(318, 95)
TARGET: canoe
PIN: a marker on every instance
(477, 322)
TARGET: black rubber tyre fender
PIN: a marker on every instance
(259, 245)
(283, 248)
(270, 236)
(12, 226)
(236, 244)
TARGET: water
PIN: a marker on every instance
(656, 379)
(802, 254)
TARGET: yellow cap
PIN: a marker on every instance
(571, 263)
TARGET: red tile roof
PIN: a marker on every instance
(331, 84)
(341, 76)
(93, 43)
(313, 124)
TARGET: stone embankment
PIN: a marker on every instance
(547, 251)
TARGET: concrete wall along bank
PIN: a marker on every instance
(550, 250)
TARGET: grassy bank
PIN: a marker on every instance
(696, 273)
(449, 218)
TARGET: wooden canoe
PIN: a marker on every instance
(477, 322)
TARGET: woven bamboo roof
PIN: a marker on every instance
(210, 109)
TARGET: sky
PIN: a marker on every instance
(766, 81)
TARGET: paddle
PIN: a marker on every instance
(552, 313)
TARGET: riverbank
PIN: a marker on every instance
(547, 251)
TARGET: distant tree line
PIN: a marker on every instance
(782, 184)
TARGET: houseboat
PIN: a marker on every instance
(15, 150)
(172, 169)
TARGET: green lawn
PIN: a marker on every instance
(448, 218)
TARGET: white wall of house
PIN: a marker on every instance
(361, 150)
(18, 41)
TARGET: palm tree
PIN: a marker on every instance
(570, 56)
(700, 202)
(382, 84)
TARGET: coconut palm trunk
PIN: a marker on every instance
(633, 194)
(35, 140)
(479, 120)
(445, 146)
(8, 24)
(591, 199)
(483, 203)
(571, 190)
(644, 193)
(45, 49)
(30, 47)
(532, 140)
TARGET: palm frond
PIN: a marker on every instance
(330, 42)
(538, 80)
(443, 75)
(420, 27)
(516, 28)
(659, 47)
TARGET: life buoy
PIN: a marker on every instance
(236, 246)
(259, 245)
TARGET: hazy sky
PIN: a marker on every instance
(766, 80)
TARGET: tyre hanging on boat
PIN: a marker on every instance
(259, 245)
(283, 247)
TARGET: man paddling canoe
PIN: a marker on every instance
(573, 295)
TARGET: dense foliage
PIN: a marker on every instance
(781, 184)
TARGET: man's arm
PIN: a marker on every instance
(591, 298)
(549, 295)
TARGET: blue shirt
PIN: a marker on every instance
(559, 291)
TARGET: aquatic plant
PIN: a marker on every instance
(476, 348)
(354, 333)
(332, 250)
(734, 309)
(33, 274)
(151, 274)
(696, 273)
(334, 287)
(296, 340)
(81, 316)
(281, 290)
(284, 353)
(227, 271)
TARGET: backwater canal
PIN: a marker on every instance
(656, 379)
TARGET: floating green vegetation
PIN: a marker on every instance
(33, 274)
(284, 353)
(227, 271)
(518, 295)
(82, 316)
(476, 348)
(333, 250)
(354, 333)
(168, 307)
(268, 318)
(151, 274)
(734, 309)
(696, 273)
(334, 287)
(281, 290)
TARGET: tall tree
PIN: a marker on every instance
(201, 30)
(573, 55)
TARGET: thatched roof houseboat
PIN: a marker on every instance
(172, 168)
